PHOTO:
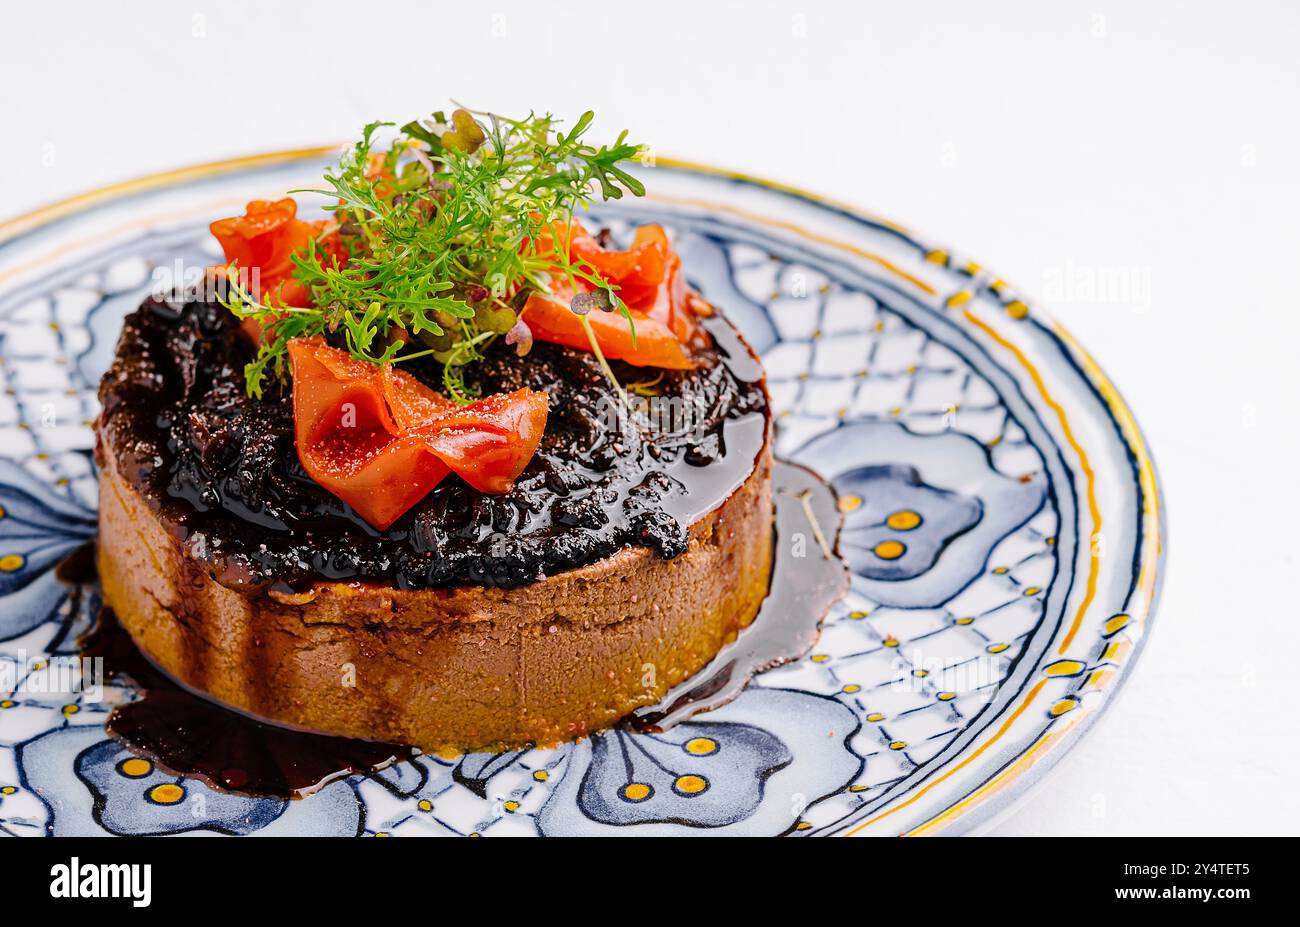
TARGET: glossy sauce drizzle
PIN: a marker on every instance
(801, 592)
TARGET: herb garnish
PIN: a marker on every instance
(435, 226)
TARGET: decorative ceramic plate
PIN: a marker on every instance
(1002, 522)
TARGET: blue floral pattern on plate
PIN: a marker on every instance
(887, 501)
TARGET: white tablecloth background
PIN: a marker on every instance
(1156, 145)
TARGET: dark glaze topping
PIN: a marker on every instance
(222, 471)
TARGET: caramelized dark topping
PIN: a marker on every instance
(222, 470)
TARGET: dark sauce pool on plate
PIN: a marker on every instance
(802, 590)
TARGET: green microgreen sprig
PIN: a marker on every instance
(435, 226)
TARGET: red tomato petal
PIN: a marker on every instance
(656, 344)
(266, 238)
(649, 280)
(379, 439)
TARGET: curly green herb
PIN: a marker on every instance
(435, 226)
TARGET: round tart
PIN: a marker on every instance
(621, 561)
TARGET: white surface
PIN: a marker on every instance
(1147, 148)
